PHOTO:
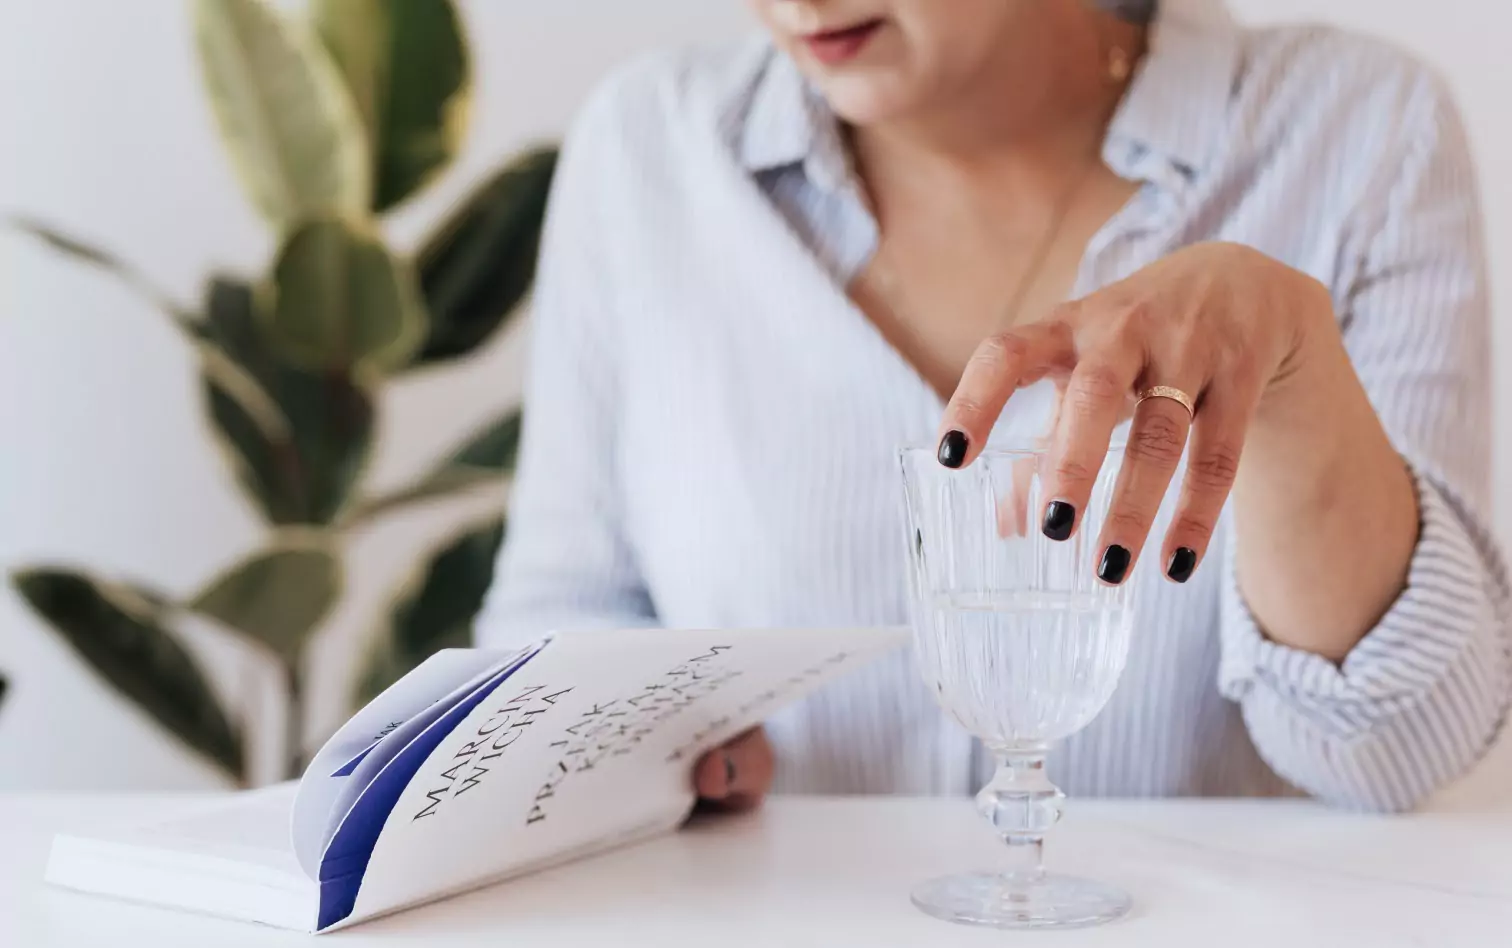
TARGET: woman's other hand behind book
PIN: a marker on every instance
(736, 777)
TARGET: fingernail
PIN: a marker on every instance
(729, 771)
(1060, 517)
(1115, 563)
(1183, 562)
(952, 452)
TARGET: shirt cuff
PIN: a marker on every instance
(1446, 611)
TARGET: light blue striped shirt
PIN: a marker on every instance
(711, 424)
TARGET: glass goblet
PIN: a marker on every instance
(1020, 642)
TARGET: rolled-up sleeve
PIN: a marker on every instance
(566, 564)
(1421, 697)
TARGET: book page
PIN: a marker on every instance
(231, 858)
(257, 820)
(361, 749)
(595, 734)
(250, 828)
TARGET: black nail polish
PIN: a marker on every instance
(952, 452)
(1060, 517)
(1114, 565)
(729, 770)
(1183, 562)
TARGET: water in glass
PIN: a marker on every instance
(1021, 669)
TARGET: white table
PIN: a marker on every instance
(826, 872)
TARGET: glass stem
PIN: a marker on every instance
(1022, 804)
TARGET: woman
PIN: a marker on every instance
(767, 267)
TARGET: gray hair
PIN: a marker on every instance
(1135, 11)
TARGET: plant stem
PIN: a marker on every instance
(252, 686)
(134, 279)
(294, 762)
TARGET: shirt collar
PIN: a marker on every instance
(789, 123)
(1176, 106)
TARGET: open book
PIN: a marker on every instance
(477, 766)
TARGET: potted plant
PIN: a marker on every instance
(330, 121)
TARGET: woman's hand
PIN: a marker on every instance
(737, 776)
(1223, 323)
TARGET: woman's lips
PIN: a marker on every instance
(834, 47)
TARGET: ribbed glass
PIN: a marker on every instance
(1016, 637)
(1022, 644)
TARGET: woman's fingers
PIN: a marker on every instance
(1217, 439)
(738, 775)
(1092, 406)
(1097, 350)
(1000, 366)
(1157, 439)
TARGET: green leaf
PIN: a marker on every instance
(104, 260)
(496, 446)
(437, 611)
(293, 132)
(406, 63)
(478, 266)
(341, 301)
(278, 596)
(118, 632)
(441, 484)
(483, 459)
(298, 441)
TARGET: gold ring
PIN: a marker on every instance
(1174, 394)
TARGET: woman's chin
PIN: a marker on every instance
(865, 100)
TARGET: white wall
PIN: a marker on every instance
(103, 457)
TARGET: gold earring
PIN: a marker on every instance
(1119, 65)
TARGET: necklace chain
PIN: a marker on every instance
(887, 280)
(1119, 66)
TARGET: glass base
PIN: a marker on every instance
(999, 901)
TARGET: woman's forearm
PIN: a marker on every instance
(1326, 511)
